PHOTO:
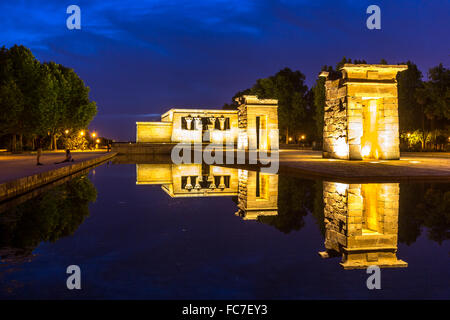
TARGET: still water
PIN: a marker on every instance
(161, 231)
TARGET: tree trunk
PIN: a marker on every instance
(54, 142)
(13, 143)
(287, 135)
(20, 142)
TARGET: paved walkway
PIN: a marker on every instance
(411, 166)
(15, 166)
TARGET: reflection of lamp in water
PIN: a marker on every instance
(222, 184)
(188, 183)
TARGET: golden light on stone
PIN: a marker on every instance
(361, 224)
(361, 113)
(253, 126)
(257, 192)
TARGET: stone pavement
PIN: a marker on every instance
(15, 166)
(411, 166)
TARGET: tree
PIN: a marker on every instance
(409, 110)
(434, 98)
(40, 99)
(52, 215)
(20, 67)
(295, 201)
(289, 89)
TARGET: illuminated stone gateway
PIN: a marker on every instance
(361, 113)
(361, 224)
(254, 126)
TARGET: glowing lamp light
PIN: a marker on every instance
(98, 140)
(341, 188)
(365, 151)
(66, 131)
(303, 137)
(290, 139)
(93, 134)
(341, 148)
(81, 133)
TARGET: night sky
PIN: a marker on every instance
(142, 58)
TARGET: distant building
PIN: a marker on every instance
(253, 126)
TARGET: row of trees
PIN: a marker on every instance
(39, 101)
(424, 106)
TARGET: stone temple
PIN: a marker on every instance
(361, 113)
(253, 126)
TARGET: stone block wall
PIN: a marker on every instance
(153, 132)
(266, 110)
(361, 224)
(361, 113)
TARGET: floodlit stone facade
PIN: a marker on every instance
(257, 192)
(254, 126)
(361, 113)
(361, 224)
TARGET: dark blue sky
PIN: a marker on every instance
(145, 57)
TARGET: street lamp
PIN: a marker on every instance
(93, 134)
(303, 137)
(66, 131)
(81, 133)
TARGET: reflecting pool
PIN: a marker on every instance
(164, 231)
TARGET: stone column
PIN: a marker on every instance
(212, 123)
(198, 123)
(222, 123)
(188, 185)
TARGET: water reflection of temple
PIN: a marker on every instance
(257, 192)
(361, 222)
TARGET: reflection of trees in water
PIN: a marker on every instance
(424, 205)
(48, 217)
(295, 200)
